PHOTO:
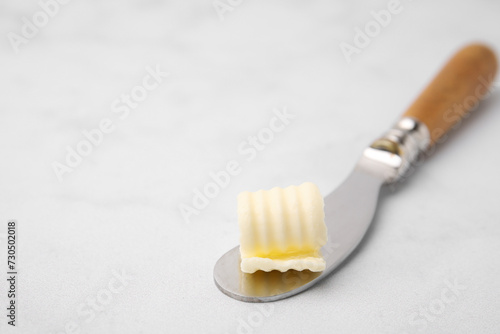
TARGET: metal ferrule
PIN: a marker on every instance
(398, 148)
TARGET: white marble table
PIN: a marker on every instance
(104, 248)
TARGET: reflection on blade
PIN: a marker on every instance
(261, 283)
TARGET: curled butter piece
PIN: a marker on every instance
(282, 229)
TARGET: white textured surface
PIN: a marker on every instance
(118, 210)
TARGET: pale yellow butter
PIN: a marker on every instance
(282, 229)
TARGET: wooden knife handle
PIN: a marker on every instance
(456, 90)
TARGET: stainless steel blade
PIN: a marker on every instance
(348, 214)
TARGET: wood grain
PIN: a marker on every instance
(456, 90)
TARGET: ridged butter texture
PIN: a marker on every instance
(282, 229)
